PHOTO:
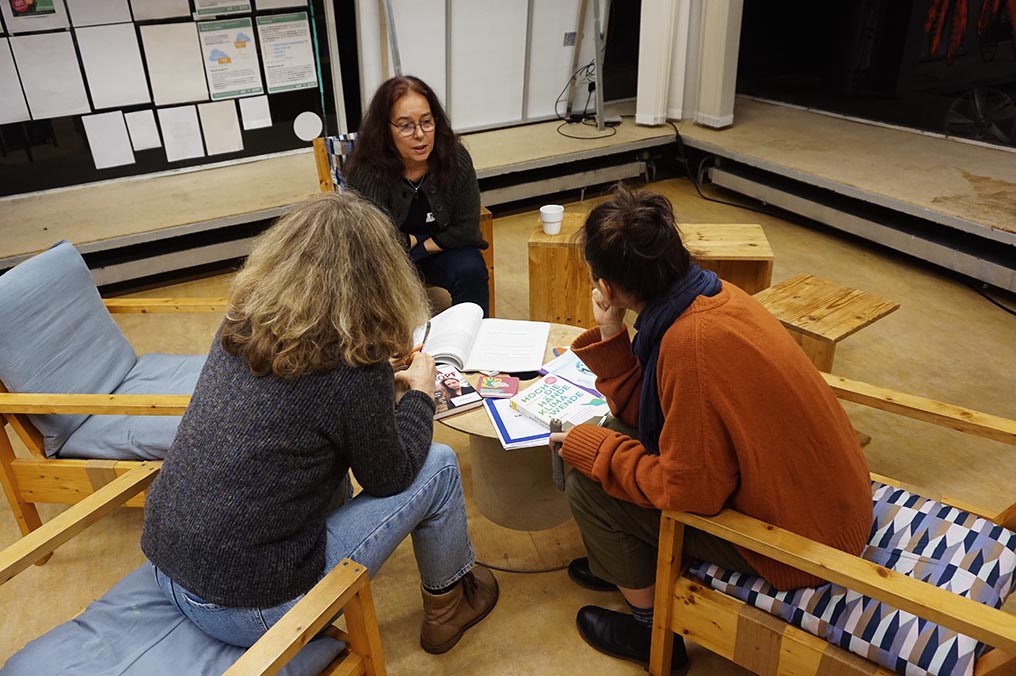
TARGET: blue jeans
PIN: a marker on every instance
(366, 529)
(461, 271)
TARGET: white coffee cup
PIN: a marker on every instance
(551, 216)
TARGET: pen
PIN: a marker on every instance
(426, 332)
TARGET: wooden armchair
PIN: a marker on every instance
(43, 476)
(329, 165)
(85, 641)
(764, 643)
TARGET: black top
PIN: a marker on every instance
(237, 515)
(456, 208)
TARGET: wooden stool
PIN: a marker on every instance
(559, 285)
(819, 313)
(738, 252)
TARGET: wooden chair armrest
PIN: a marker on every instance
(911, 406)
(303, 622)
(58, 530)
(94, 404)
(164, 305)
(994, 627)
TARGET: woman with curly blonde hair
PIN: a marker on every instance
(299, 389)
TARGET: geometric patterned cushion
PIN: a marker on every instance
(915, 536)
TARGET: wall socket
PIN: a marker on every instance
(569, 39)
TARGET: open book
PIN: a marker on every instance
(462, 337)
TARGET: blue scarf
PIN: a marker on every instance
(657, 316)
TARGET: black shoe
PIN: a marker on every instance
(619, 635)
(579, 572)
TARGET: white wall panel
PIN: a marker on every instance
(421, 35)
(550, 61)
(368, 37)
(488, 62)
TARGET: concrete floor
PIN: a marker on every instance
(945, 342)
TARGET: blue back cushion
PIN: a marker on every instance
(57, 336)
(133, 630)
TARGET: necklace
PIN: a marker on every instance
(416, 186)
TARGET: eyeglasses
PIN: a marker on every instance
(426, 125)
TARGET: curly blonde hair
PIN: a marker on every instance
(327, 284)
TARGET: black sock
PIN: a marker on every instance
(643, 616)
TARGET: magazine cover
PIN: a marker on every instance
(452, 392)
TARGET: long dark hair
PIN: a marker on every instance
(631, 240)
(375, 153)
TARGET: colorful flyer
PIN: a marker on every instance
(26, 16)
(288, 52)
(231, 58)
(206, 8)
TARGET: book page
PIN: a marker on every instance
(451, 333)
(508, 345)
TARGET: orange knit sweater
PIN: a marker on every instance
(748, 423)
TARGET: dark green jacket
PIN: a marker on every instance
(456, 210)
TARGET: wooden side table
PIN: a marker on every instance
(738, 252)
(819, 313)
(559, 286)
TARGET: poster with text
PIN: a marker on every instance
(231, 59)
(288, 52)
(205, 8)
(25, 16)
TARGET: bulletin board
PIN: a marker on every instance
(92, 90)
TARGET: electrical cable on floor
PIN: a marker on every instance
(683, 159)
(992, 300)
(503, 569)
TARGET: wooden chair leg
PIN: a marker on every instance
(362, 629)
(668, 568)
(25, 513)
(995, 663)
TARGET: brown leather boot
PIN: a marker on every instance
(447, 616)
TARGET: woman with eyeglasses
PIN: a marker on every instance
(409, 162)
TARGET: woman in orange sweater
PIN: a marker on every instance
(718, 407)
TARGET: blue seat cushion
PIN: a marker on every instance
(138, 437)
(57, 336)
(133, 630)
(915, 536)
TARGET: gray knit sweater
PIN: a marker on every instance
(237, 515)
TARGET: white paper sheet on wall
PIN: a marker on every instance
(287, 52)
(173, 54)
(50, 75)
(181, 133)
(108, 139)
(231, 58)
(98, 12)
(207, 8)
(39, 16)
(113, 66)
(255, 112)
(159, 9)
(221, 127)
(143, 130)
(278, 4)
(12, 104)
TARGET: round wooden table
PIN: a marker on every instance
(514, 489)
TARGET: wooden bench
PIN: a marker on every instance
(819, 313)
